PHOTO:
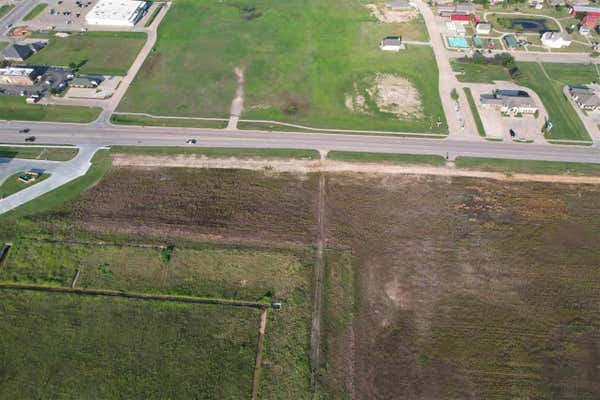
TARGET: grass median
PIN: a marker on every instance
(123, 119)
(37, 10)
(39, 153)
(527, 166)
(393, 158)
(475, 112)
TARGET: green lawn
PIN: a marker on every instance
(219, 152)
(121, 119)
(106, 53)
(385, 157)
(527, 166)
(302, 58)
(14, 108)
(39, 153)
(475, 113)
(68, 346)
(479, 73)
(12, 184)
(5, 9)
(37, 10)
(565, 121)
(493, 19)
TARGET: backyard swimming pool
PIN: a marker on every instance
(459, 42)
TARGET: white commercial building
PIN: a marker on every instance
(124, 13)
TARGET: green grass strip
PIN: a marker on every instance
(5, 9)
(355, 156)
(35, 12)
(153, 16)
(219, 152)
(39, 153)
(474, 111)
(14, 108)
(123, 119)
(527, 166)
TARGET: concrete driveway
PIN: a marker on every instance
(61, 173)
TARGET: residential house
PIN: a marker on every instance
(391, 43)
(86, 81)
(510, 101)
(483, 28)
(399, 5)
(460, 8)
(585, 97)
(556, 40)
(21, 52)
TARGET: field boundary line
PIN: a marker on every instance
(261, 342)
(98, 243)
(315, 334)
(261, 121)
(134, 295)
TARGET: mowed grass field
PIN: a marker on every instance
(68, 346)
(301, 59)
(104, 53)
(474, 289)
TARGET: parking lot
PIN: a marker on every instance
(63, 14)
(50, 78)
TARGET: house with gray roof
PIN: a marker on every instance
(392, 43)
(399, 5)
(21, 52)
(585, 97)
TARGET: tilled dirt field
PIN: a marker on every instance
(463, 288)
(247, 207)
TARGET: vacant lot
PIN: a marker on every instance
(301, 59)
(474, 289)
(67, 346)
(198, 268)
(231, 206)
(105, 53)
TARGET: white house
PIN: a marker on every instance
(124, 13)
(483, 28)
(391, 43)
(556, 40)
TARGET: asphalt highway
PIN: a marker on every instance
(106, 135)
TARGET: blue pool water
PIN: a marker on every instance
(460, 42)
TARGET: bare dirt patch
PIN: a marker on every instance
(386, 93)
(390, 16)
(467, 288)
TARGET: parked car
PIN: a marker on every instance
(30, 139)
(26, 130)
(191, 141)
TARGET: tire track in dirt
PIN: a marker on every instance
(261, 342)
(315, 334)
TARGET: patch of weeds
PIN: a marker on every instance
(165, 254)
(105, 269)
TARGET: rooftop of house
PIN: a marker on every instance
(16, 71)
(391, 41)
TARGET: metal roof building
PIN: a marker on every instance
(124, 13)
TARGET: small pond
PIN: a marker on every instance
(531, 25)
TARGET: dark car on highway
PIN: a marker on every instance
(30, 139)
(26, 130)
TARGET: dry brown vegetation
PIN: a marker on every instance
(247, 207)
(463, 289)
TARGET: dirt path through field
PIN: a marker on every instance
(308, 166)
(261, 341)
(237, 105)
(315, 334)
